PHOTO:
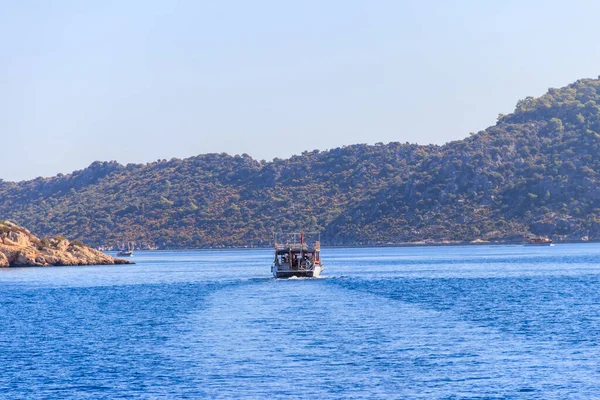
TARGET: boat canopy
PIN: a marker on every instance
(287, 250)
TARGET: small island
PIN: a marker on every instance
(20, 248)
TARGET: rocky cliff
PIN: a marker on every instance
(18, 247)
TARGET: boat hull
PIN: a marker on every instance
(315, 272)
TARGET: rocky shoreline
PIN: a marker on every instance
(19, 248)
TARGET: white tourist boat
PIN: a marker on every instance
(539, 241)
(128, 252)
(297, 255)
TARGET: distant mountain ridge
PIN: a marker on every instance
(536, 171)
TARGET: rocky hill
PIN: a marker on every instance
(18, 247)
(536, 171)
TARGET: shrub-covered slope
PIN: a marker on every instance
(535, 171)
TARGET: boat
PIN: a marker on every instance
(539, 241)
(297, 255)
(126, 252)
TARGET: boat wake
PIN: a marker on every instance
(308, 278)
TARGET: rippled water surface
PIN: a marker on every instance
(426, 322)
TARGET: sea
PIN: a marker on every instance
(452, 322)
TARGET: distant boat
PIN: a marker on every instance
(126, 252)
(296, 256)
(539, 241)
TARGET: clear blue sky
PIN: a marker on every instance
(136, 81)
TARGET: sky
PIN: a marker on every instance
(140, 80)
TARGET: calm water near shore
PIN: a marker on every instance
(415, 322)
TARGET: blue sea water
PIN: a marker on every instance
(504, 322)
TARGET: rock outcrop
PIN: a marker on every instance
(19, 247)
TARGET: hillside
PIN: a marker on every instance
(535, 171)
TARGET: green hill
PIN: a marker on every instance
(535, 171)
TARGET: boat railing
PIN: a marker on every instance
(283, 246)
(297, 240)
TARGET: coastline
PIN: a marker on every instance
(362, 246)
